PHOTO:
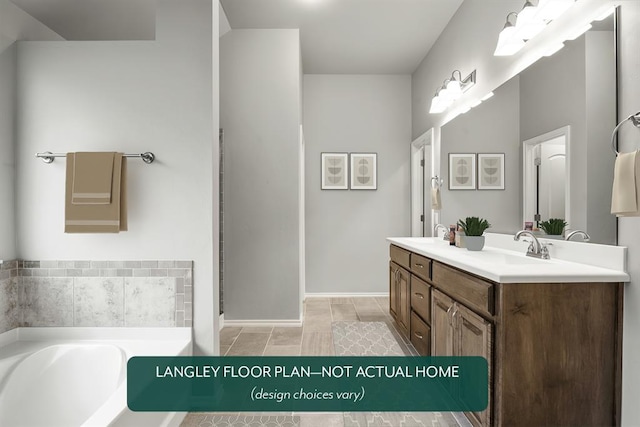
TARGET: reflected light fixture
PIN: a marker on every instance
(507, 43)
(529, 22)
(451, 90)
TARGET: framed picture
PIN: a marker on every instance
(490, 171)
(335, 171)
(364, 171)
(462, 171)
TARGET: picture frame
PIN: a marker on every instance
(462, 171)
(491, 171)
(334, 169)
(364, 171)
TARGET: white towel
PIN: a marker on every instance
(625, 197)
(436, 202)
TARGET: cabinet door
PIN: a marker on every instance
(473, 338)
(393, 290)
(404, 300)
(441, 324)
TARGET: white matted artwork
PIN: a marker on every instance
(490, 171)
(462, 171)
(364, 171)
(334, 167)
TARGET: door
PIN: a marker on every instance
(404, 300)
(473, 338)
(441, 324)
(393, 289)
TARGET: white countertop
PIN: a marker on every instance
(510, 266)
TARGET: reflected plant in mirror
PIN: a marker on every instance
(553, 226)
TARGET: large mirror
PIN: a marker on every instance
(552, 123)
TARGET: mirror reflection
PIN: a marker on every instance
(553, 123)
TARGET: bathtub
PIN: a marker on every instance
(68, 377)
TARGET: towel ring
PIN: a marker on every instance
(634, 118)
(437, 181)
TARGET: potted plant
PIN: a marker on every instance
(554, 227)
(473, 228)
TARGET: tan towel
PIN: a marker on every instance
(436, 202)
(625, 197)
(97, 218)
(92, 178)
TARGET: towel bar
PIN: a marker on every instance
(634, 118)
(48, 156)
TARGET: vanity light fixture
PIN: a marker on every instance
(580, 31)
(530, 21)
(451, 89)
(554, 49)
(487, 96)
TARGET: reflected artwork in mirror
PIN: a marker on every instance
(553, 123)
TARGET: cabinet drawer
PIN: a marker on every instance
(420, 298)
(420, 335)
(400, 256)
(471, 291)
(421, 266)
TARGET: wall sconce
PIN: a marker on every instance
(451, 89)
(529, 22)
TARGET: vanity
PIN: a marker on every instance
(551, 330)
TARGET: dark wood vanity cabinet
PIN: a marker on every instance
(399, 307)
(409, 296)
(553, 349)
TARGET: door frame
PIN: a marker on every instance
(422, 148)
(529, 177)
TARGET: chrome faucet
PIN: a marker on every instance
(535, 249)
(585, 236)
(446, 231)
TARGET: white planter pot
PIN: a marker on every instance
(474, 243)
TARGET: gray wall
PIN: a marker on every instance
(128, 96)
(493, 127)
(346, 251)
(600, 80)
(260, 115)
(15, 24)
(629, 228)
(7, 153)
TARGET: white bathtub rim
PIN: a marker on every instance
(133, 341)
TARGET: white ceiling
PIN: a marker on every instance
(352, 36)
(95, 19)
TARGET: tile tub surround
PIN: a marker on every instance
(9, 311)
(98, 294)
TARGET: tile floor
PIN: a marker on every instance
(314, 338)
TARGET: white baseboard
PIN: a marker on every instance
(221, 321)
(265, 323)
(345, 294)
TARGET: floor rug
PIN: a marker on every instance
(203, 419)
(376, 339)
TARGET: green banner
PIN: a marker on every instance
(287, 384)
